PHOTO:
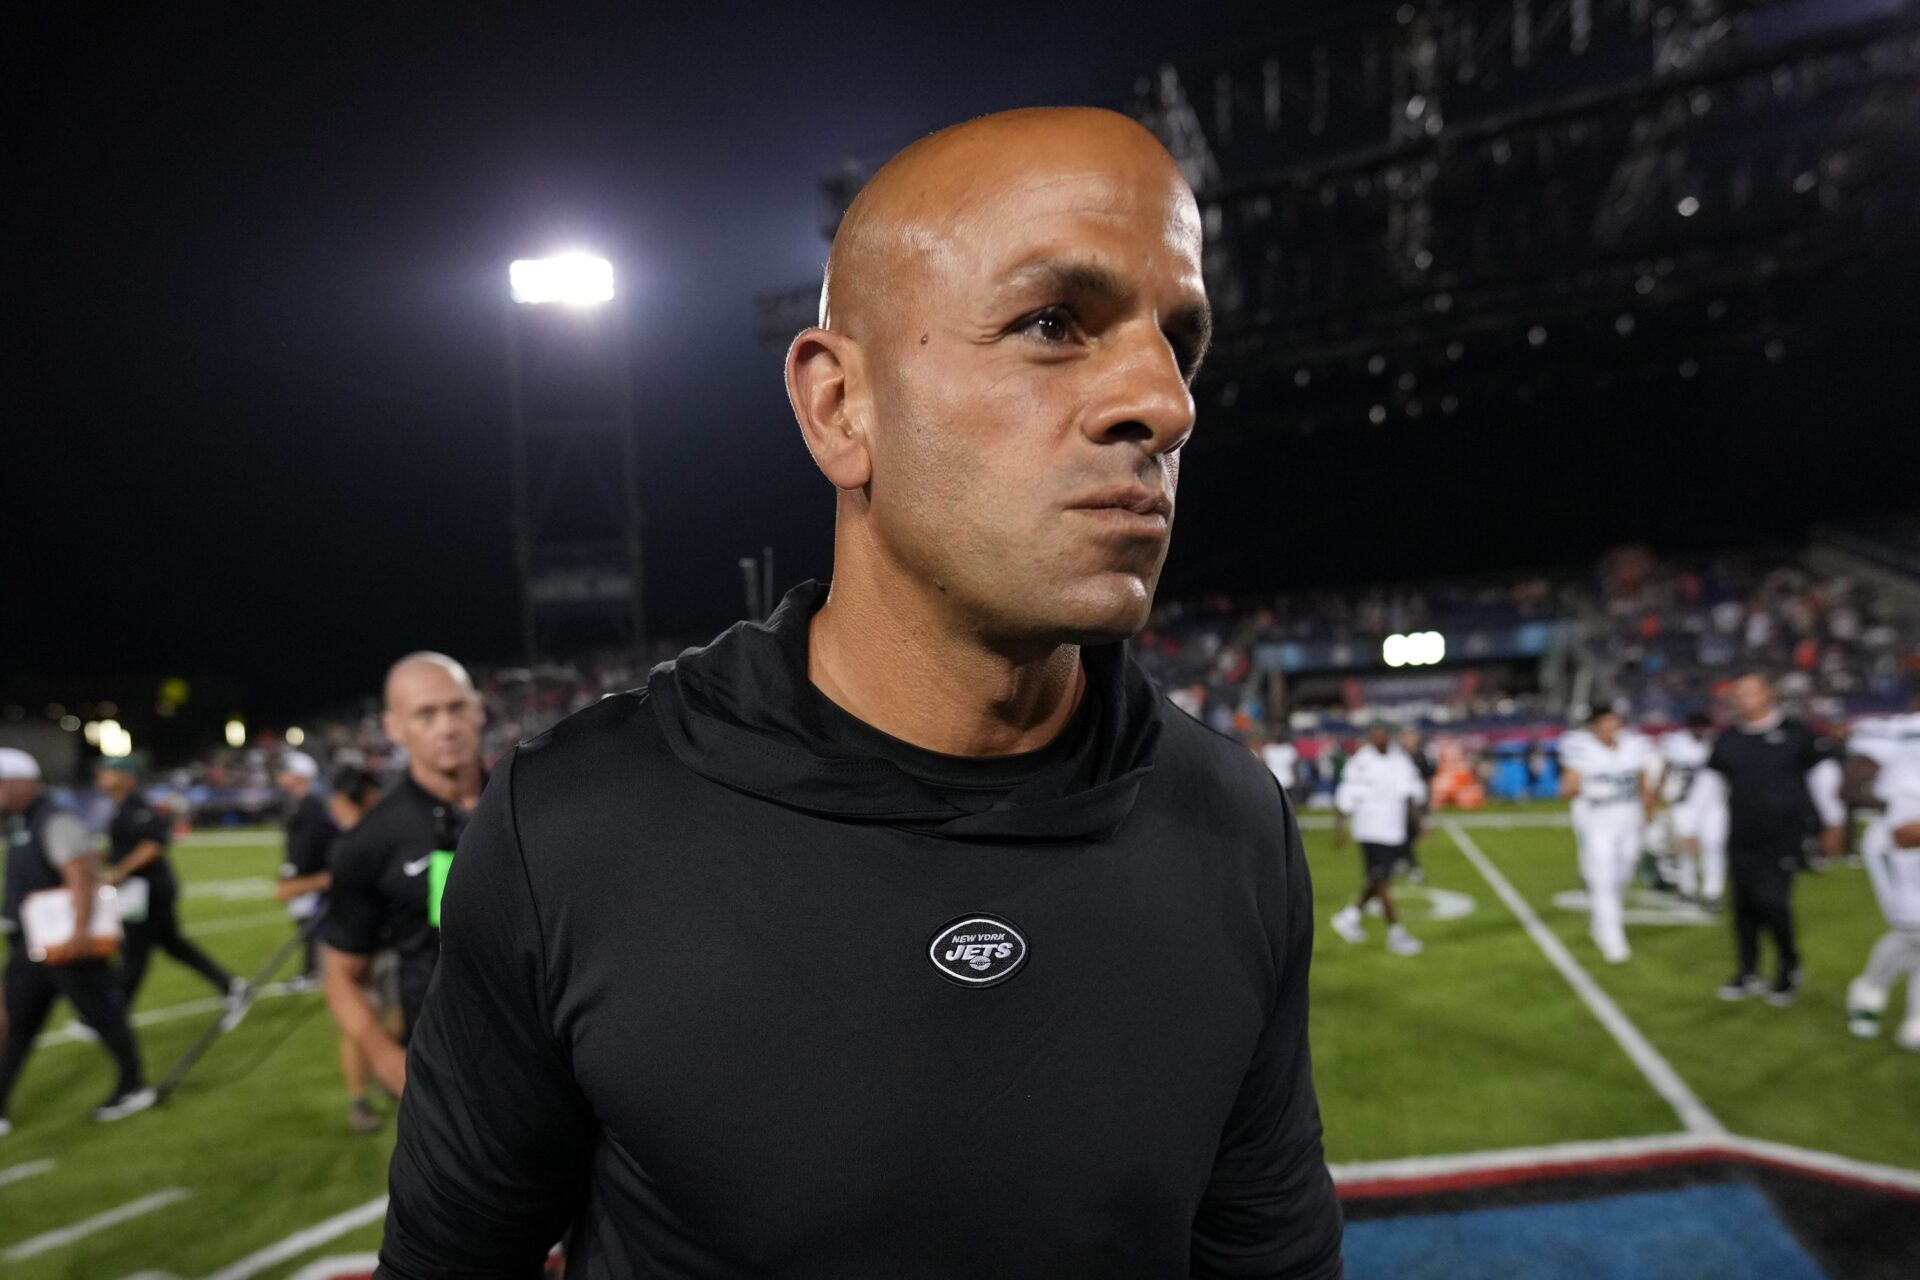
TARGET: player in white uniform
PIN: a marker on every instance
(1607, 772)
(1890, 846)
(1378, 789)
(1282, 759)
(1696, 797)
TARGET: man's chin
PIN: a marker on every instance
(1105, 610)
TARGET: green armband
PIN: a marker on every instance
(437, 883)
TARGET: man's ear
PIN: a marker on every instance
(827, 386)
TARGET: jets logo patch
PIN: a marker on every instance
(978, 951)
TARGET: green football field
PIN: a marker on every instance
(1478, 1044)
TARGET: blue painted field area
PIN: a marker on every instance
(1697, 1233)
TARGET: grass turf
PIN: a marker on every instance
(1477, 1044)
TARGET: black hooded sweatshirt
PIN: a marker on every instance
(734, 985)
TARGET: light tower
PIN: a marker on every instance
(576, 493)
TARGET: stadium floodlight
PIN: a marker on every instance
(236, 733)
(577, 279)
(115, 741)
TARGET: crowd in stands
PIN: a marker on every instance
(1671, 634)
(1656, 639)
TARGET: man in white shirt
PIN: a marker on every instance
(1605, 770)
(1697, 805)
(1886, 761)
(1377, 790)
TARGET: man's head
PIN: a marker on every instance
(354, 792)
(1380, 735)
(998, 387)
(1410, 738)
(1604, 724)
(1699, 724)
(19, 780)
(297, 773)
(433, 712)
(116, 777)
(1752, 695)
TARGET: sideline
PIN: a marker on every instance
(88, 1226)
(1421, 1175)
(1693, 1113)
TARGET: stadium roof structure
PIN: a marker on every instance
(1407, 204)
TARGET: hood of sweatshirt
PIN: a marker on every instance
(742, 712)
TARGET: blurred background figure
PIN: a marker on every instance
(354, 792)
(1697, 807)
(1765, 758)
(303, 872)
(1606, 772)
(50, 848)
(138, 838)
(1883, 777)
(1282, 759)
(1414, 744)
(1377, 796)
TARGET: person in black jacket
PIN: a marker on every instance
(138, 839)
(1765, 758)
(910, 932)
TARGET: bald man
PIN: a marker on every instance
(379, 894)
(910, 932)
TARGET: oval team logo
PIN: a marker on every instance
(978, 951)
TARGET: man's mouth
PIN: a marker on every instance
(1131, 508)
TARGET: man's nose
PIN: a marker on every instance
(1148, 400)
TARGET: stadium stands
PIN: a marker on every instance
(1654, 637)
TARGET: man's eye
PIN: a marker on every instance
(1055, 324)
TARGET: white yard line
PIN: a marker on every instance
(166, 1013)
(1693, 1113)
(229, 839)
(233, 923)
(21, 1172)
(301, 1241)
(327, 1268)
(88, 1226)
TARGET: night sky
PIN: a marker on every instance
(257, 435)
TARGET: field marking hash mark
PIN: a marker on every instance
(63, 1236)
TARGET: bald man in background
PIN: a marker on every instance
(378, 896)
(908, 933)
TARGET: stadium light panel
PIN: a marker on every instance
(1415, 649)
(577, 279)
(236, 733)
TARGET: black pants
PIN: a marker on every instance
(161, 929)
(30, 991)
(1762, 881)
